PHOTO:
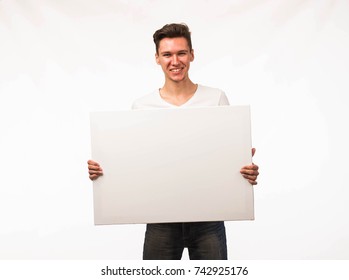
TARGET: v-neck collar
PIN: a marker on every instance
(185, 103)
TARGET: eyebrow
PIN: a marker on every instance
(180, 51)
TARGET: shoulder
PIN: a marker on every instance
(214, 95)
(150, 100)
(209, 91)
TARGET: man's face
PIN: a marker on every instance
(174, 56)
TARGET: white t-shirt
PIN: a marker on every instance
(204, 96)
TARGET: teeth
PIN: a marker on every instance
(176, 70)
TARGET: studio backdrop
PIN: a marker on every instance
(61, 60)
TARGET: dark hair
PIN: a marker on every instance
(173, 30)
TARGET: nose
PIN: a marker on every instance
(175, 60)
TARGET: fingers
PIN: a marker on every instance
(253, 151)
(250, 172)
(92, 165)
(95, 174)
(250, 169)
(93, 177)
(94, 169)
(92, 162)
(251, 179)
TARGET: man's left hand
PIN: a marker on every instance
(250, 172)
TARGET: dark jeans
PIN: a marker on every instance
(204, 240)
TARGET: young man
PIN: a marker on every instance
(166, 241)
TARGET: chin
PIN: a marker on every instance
(178, 78)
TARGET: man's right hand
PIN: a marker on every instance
(94, 169)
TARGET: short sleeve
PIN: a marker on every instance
(223, 100)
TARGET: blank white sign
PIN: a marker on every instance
(172, 165)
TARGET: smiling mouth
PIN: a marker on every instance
(176, 70)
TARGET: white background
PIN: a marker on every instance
(59, 60)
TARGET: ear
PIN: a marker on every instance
(192, 55)
(157, 58)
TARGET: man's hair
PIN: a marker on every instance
(173, 30)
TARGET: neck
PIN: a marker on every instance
(178, 93)
(185, 87)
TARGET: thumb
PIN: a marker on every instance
(253, 151)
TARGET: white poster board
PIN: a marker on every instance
(172, 165)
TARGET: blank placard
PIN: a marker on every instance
(172, 165)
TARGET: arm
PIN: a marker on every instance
(94, 169)
(250, 172)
